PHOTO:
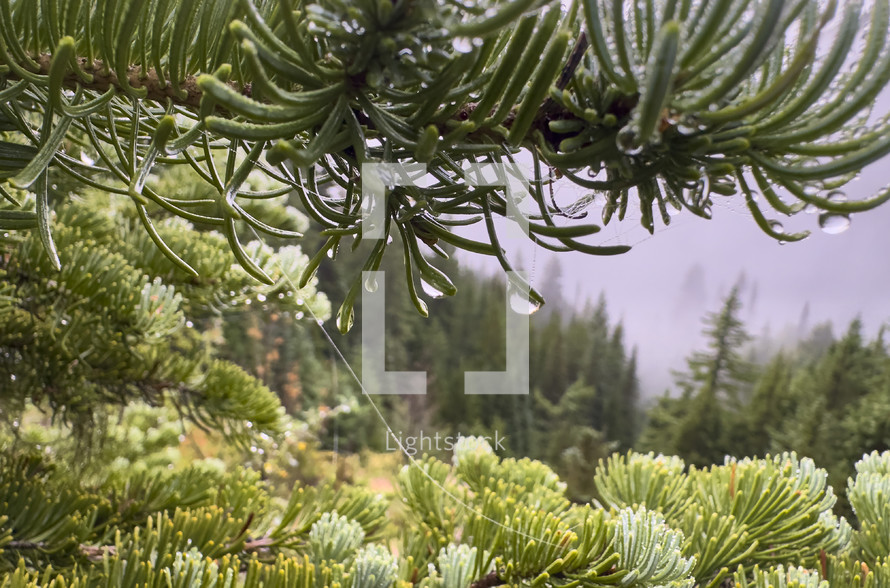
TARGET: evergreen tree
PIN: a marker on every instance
(713, 392)
(830, 406)
(585, 393)
(721, 370)
(627, 414)
(122, 323)
(553, 376)
(831, 394)
(663, 418)
(771, 403)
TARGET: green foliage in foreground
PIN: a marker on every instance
(481, 521)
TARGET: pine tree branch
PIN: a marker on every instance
(677, 118)
(190, 94)
(104, 79)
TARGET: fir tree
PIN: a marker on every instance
(771, 403)
(699, 425)
(122, 323)
(721, 370)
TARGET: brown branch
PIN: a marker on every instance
(189, 94)
(92, 552)
(257, 544)
(104, 78)
(490, 580)
(574, 61)
(550, 108)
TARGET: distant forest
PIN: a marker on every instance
(824, 396)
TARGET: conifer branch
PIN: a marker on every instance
(97, 76)
(659, 112)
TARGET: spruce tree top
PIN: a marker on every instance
(650, 104)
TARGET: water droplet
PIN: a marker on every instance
(687, 125)
(371, 284)
(834, 224)
(430, 290)
(345, 320)
(261, 297)
(12, 377)
(181, 438)
(626, 139)
(520, 301)
(811, 209)
(776, 226)
(299, 301)
(189, 324)
(462, 44)
(705, 183)
(330, 253)
(810, 190)
(837, 196)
